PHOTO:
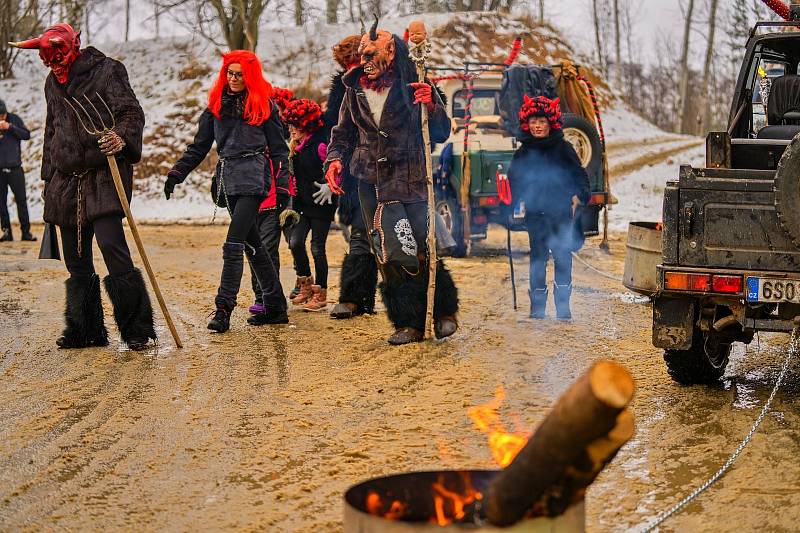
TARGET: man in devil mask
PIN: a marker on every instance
(80, 196)
(379, 133)
(359, 275)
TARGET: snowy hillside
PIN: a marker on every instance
(171, 78)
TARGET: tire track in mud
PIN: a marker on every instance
(651, 158)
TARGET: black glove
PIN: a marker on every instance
(172, 180)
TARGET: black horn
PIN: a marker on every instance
(373, 31)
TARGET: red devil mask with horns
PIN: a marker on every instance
(377, 50)
(58, 47)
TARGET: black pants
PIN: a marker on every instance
(359, 236)
(546, 234)
(15, 179)
(417, 213)
(269, 231)
(243, 231)
(110, 239)
(319, 228)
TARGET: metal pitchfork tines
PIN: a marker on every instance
(93, 130)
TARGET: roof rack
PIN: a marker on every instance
(776, 24)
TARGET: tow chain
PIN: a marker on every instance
(658, 520)
(596, 270)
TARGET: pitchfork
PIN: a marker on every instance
(84, 117)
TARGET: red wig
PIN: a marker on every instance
(540, 106)
(259, 91)
(282, 97)
(304, 115)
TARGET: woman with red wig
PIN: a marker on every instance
(245, 124)
(547, 183)
(314, 202)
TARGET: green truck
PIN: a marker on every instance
(475, 103)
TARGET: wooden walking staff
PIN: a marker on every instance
(419, 48)
(84, 117)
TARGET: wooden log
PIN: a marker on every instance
(587, 412)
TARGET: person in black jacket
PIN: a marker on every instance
(245, 124)
(548, 183)
(359, 275)
(314, 202)
(80, 196)
(12, 132)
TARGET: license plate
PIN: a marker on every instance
(773, 290)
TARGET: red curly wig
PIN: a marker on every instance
(259, 91)
(282, 97)
(540, 106)
(304, 115)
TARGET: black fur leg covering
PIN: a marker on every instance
(132, 310)
(84, 313)
(445, 297)
(404, 298)
(358, 281)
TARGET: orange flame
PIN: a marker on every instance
(504, 445)
(659, 226)
(376, 507)
(448, 504)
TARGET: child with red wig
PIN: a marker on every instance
(243, 121)
(547, 177)
(314, 202)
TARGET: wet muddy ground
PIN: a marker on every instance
(265, 428)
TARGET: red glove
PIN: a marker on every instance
(334, 176)
(423, 94)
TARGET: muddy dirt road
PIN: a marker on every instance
(264, 428)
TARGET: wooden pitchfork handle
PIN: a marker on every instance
(126, 207)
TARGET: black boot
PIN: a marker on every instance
(358, 282)
(132, 310)
(7, 236)
(271, 291)
(561, 295)
(221, 321)
(28, 236)
(445, 303)
(83, 314)
(538, 302)
(404, 298)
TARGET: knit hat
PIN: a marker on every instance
(3, 109)
(282, 97)
(540, 106)
(303, 114)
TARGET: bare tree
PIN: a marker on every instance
(617, 47)
(683, 80)
(541, 11)
(597, 37)
(127, 19)
(331, 11)
(707, 66)
(298, 12)
(18, 20)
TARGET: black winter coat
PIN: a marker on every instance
(546, 174)
(71, 156)
(307, 168)
(10, 154)
(390, 154)
(243, 151)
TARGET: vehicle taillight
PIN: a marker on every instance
(488, 201)
(728, 284)
(683, 281)
(597, 199)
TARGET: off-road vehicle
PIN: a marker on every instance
(731, 230)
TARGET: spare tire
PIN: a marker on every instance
(583, 136)
(787, 191)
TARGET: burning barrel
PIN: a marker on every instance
(642, 256)
(542, 489)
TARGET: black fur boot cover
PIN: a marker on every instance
(404, 298)
(359, 280)
(132, 310)
(84, 313)
(445, 297)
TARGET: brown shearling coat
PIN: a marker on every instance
(71, 156)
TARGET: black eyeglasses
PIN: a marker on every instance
(237, 75)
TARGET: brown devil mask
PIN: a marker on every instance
(59, 46)
(377, 51)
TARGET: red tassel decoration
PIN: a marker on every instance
(515, 48)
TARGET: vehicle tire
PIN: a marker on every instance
(703, 362)
(583, 136)
(787, 191)
(448, 208)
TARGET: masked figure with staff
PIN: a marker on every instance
(379, 133)
(80, 196)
